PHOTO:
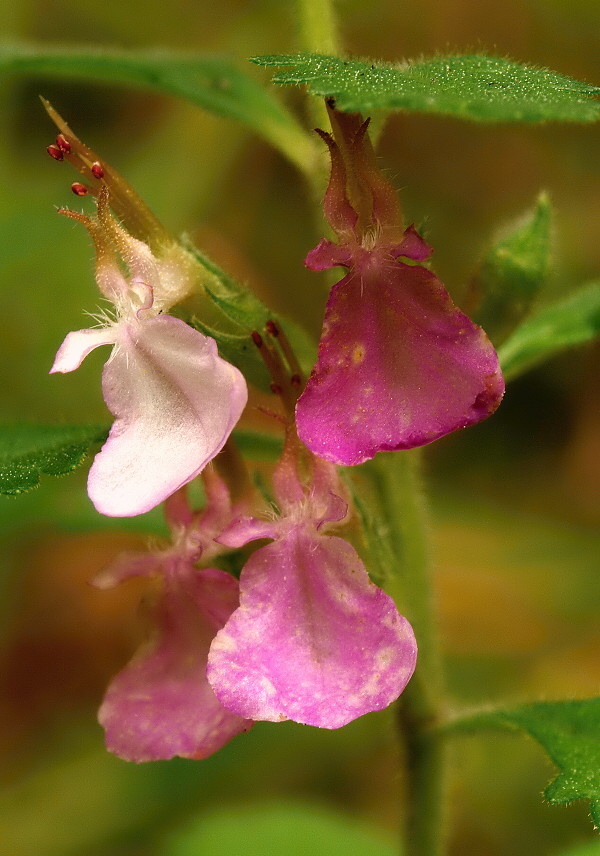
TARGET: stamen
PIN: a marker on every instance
(274, 363)
(97, 170)
(79, 189)
(55, 152)
(63, 144)
(288, 352)
(124, 201)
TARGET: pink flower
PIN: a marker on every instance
(398, 364)
(175, 401)
(161, 704)
(313, 640)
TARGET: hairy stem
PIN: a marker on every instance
(421, 705)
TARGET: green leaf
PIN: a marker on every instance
(259, 447)
(212, 82)
(513, 271)
(374, 528)
(285, 830)
(590, 848)
(234, 300)
(573, 321)
(27, 451)
(240, 351)
(240, 306)
(482, 88)
(569, 731)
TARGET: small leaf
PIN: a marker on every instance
(234, 300)
(375, 536)
(27, 451)
(259, 447)
(590, 848)
(239, 305)
(513, 271)
(569, 731)
(240, 351)
(212, 82)
(482, 88)
(573, 321)
(283, 829)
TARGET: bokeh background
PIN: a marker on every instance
(514, 500)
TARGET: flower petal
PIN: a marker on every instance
(412, 246)
(398, 366)
(161, 704)
(313, 640)
(175, 402)
(244, 529)
(327, 255)
(126, 566)
(78, 345)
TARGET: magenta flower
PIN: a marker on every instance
(161, 704)
(175, 401)
(313, 640)
(398, 364)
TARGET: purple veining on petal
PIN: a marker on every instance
(398, 365)
(175, 402)
(313, 640)
(161, 704)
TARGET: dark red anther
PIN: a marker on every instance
(97, 170)
(79, 189)
(257, 338)
(55, 152)
(274, 387)
(272, 328)
(63, 144)
(295, 380)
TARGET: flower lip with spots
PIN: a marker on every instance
(175, 401)
(399, 365)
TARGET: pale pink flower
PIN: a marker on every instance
(175, 401)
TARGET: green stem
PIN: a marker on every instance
(317, 33)
(421, 705)
(318, 26)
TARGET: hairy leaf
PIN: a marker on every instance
(482, 88)
(569, 731)
(27, 451)
(240, 351)
(573, 321)
(513, 271)
(240, 306)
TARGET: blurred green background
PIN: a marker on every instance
(514, 500)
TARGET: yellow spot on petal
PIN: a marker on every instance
(358, 354)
